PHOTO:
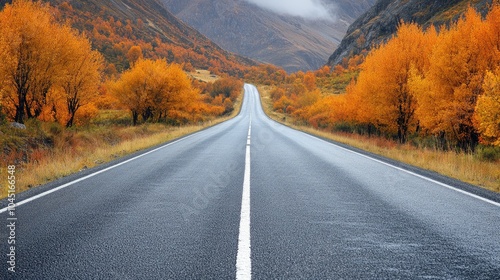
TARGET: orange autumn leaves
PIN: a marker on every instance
(449, 90)
(48, 71)
(154, 91)
(382, 92)
(115, 36)
(426, 83)
(51, 73)
(487, 113)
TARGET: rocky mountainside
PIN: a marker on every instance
(380, 22)
(291, 42)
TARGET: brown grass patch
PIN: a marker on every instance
(203, 75)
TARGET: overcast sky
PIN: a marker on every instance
(308, 9)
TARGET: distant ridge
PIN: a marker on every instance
(286, 41)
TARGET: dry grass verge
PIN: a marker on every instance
(465, 167)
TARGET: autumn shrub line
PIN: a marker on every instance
(467, 167)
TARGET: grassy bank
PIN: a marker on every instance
(45, 151)
(469, 168)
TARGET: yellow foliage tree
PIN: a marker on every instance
(180, 101)
(154, 90)
(382, 88)
(40, 57)
(134, 54)
(448, 91)
(487, 113)
(81, 75)
(310, 81)
(26, 55)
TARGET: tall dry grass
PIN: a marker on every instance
(87, 151)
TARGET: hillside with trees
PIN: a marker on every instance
(421, 84)
(114, 27)
(72, 83)
(51, 72)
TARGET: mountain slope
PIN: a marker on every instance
(114, 26)
(380, 22)
(290, 42)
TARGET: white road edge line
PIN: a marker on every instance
(412, 173)
(243, 258)
(398, 168)
(95, 173)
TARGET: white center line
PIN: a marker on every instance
(243, 259)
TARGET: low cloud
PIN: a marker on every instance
(308, 9)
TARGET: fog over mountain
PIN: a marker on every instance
(284, 33)
(307, 9)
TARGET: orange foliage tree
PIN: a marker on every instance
(387, 101)
(43, 61)
(224, 92)
(156, 91)
(134, 54)
(81, 76)
(487, 113)
(448, 92)
(116, 38)
(27, 57)
(227, 87)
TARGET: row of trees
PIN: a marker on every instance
(48, 70)
(421, 82)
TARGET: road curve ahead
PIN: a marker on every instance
(250, 198)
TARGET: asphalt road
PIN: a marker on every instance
(311, 210)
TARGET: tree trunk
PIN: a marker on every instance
(135, 117)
